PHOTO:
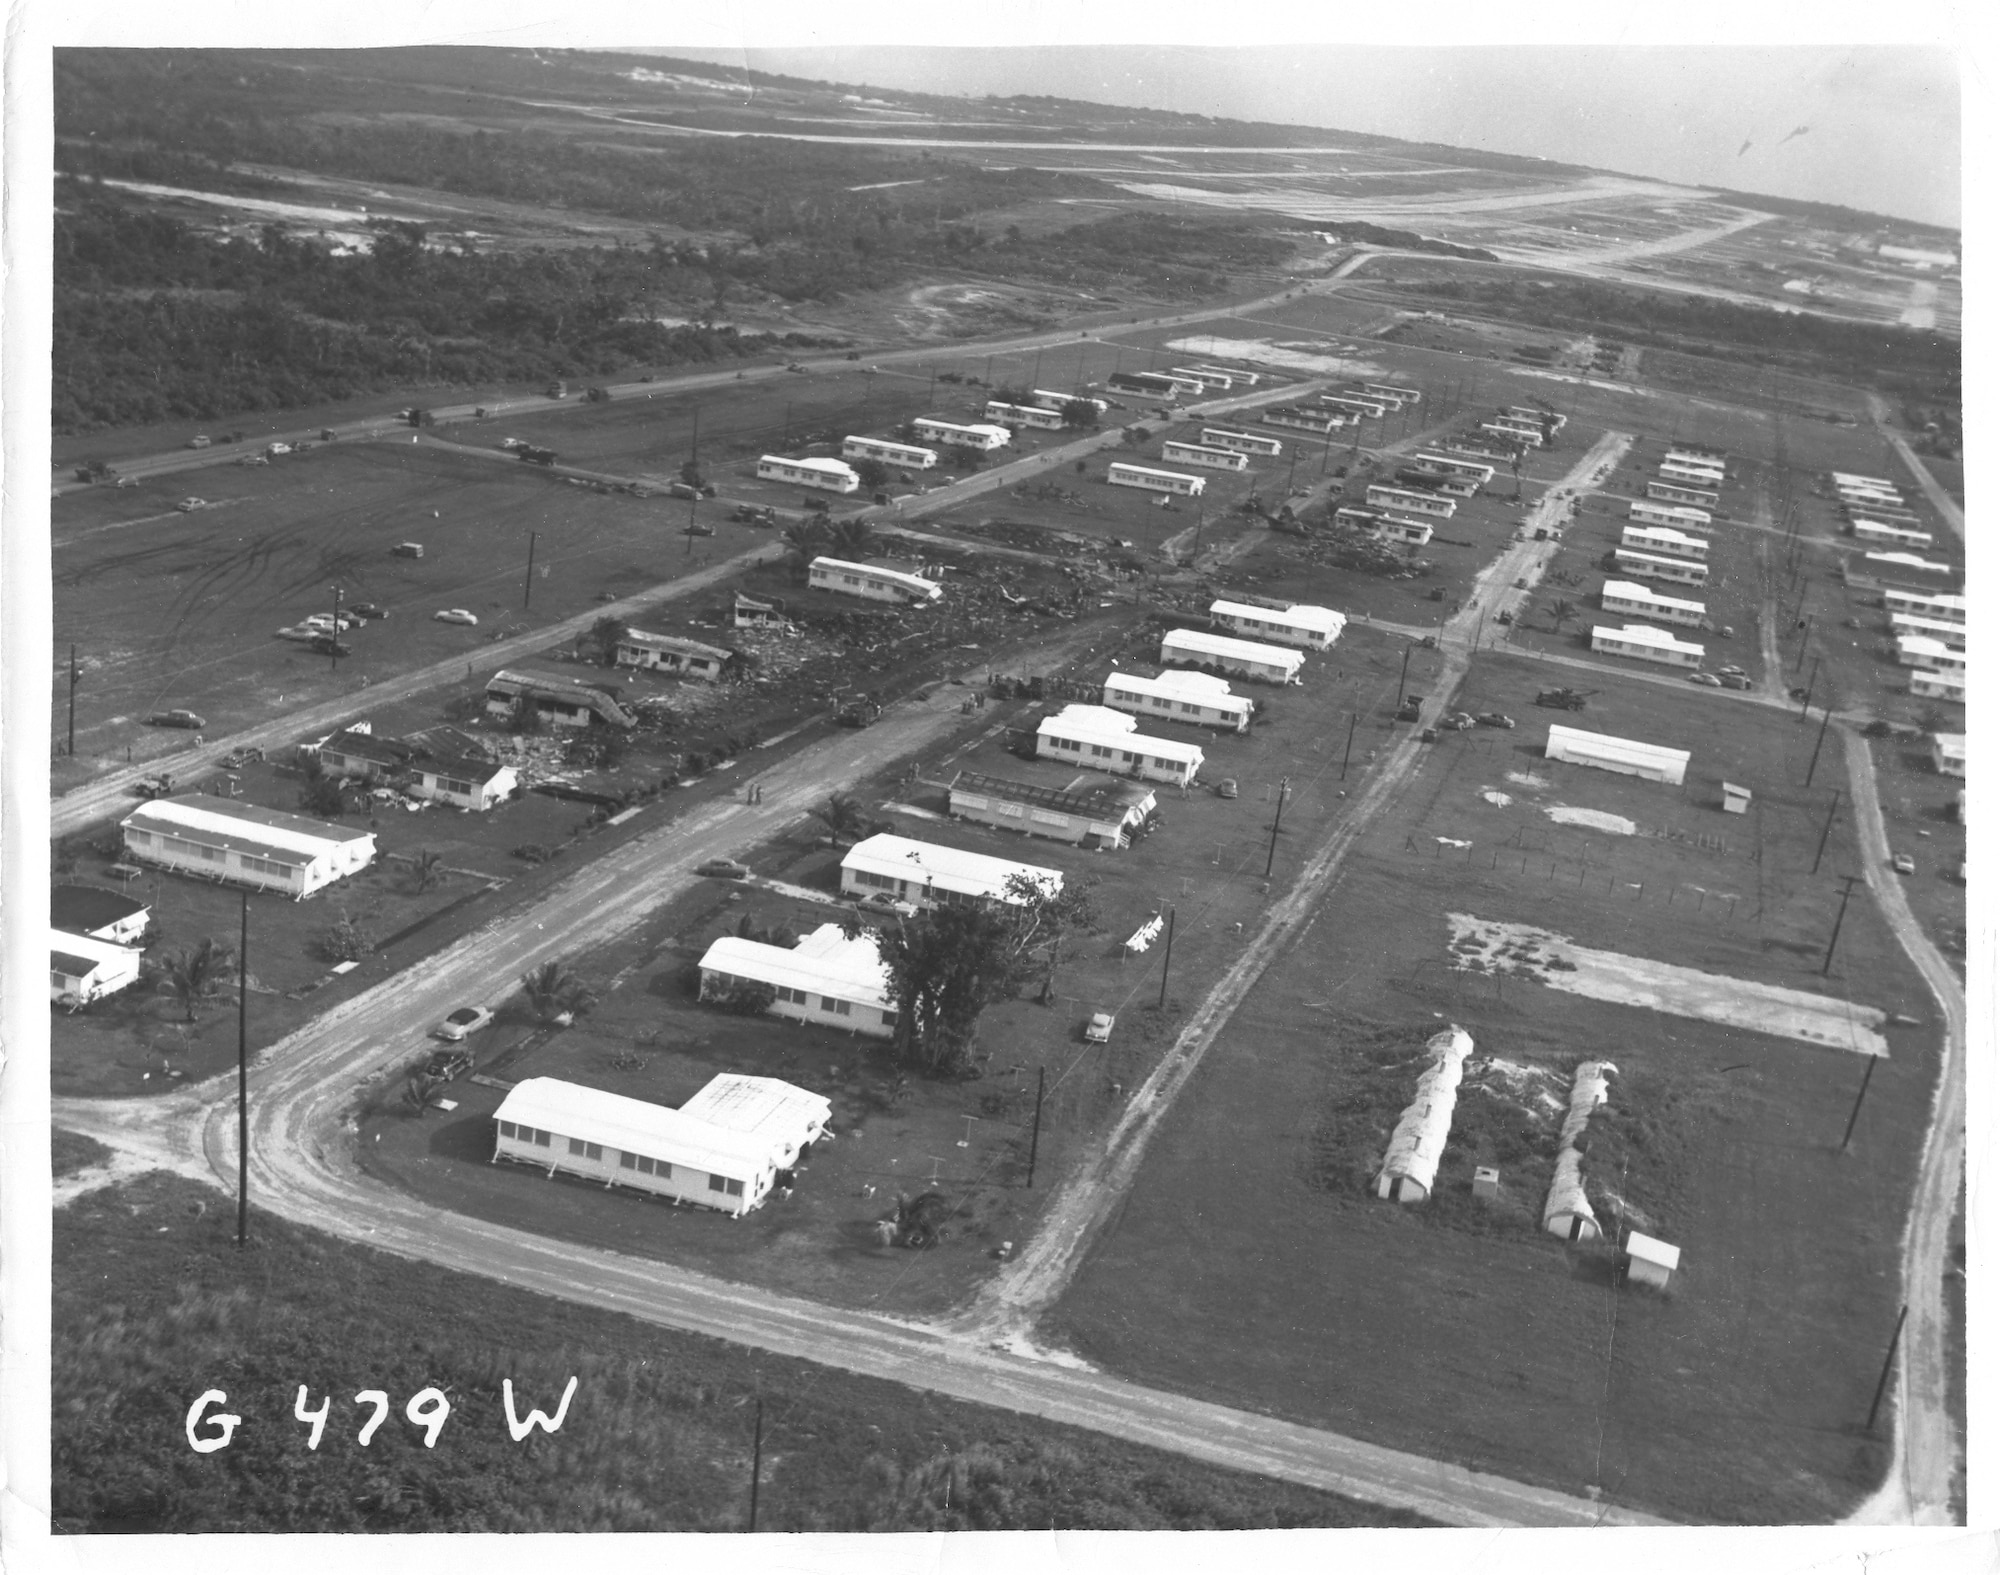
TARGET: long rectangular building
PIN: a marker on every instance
(1176, 452)
(1681, 492)
(931, 876)
(1051, 399)
(1626, 596)
(1273, 664)
(831, 475)
(1453, 465)
(889, 452)
(1242, 442)
(1411, 533)
(1626, 756)
(1915, 650)
(1197, 699)
(718, 1151)
(1024, 416)
(1647, 644)
(1674, 516)
(1929, 685)
(1691, 475)
(1410, 502)
(239, 844)
(1664, 541)
(1368, 409)
(870, 582)
(1310, 628)
(1952, 634)
(1301, 420)
(1149, 480)
(1905, 562)
(1100, 812)
(1651, 566)
(1926, 604)
(826, 979)
(976, 434)
(1888, 535)
(1106, 740)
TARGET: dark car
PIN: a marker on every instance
(724, 869)
(327, 645)
(177, 718)
(367, 610)
(449, 1062)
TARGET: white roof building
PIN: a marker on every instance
(1629, 596)
(1409, 1167)
(1953, 634)
(1948, 753)
(1906, 560)
(1866, 529)
(826, 979)
(672, 653)
(1198, 648)
(1108, 740)
(83, 968)
(1627, 756)
(682, 1154)
(781, 1115)
(1314, 628)
(1646, 644)
(1177, 695)
(1914, 650)
(925, 873)
(1664, 539)
(244, 844)
(1650, 1260)
(1928, 685)
(875, 584)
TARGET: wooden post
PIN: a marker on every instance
(1167, 962)
(1846, 891)
(1345, 754)
(1284, 787)
(756, 1462)
(528, 579)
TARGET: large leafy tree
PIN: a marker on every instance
(554, 994)
(804, 542)
(946, 966)
(844, 818)
(1043, 918)
(851, 539)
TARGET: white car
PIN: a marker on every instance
(1098, 1030)
(455, 615)
(189, 505)
(466, 1020)
(327, 623)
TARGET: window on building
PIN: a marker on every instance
(628, 1161)
(719, 1184)
(542, 1139)
(888, 1017)
(843, 1008)
(828, 1004)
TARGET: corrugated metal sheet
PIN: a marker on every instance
(634, 1126)
(955, 869)
(1568, 1203)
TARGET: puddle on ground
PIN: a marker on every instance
(1596, 819)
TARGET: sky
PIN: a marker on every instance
(1884, 119)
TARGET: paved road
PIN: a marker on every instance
(1927, 1454)
(1941, 500)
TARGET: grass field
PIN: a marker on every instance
(71, 1152)
(1738, 1395)
(154, 1305)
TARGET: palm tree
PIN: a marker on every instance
(428, 867)
(603, 639)
(804, 542)
(1560, 613)
(843, 818)
(196, 975)
(851, 539)
(556, 995)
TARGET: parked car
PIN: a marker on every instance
(128, 481)
(1458, 721)
(1731, 672)
(189, 505)
(368, 610)
(407, 549)
(198, 442)
(1494, 719)
(327, 623)
(448, 1063)
(724, 869)
(327, 645)
(1903, 864)
(1098, 1030)
(177, 718)
(1706, 680)
(455, 615)
(883, 902)
(1736, 681)
(1226, 788)
(466, 1020)
(252, 459)
(697, 529)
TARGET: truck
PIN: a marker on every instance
(558, 389)
(535, 456)
(1563, 699)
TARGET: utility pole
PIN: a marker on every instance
(1845, 892)
(1826, 717)
(1347, 753)
(694, 443)
(756, 1461)
(1855, 1114)
(690, 528)
(528, 579)
(1826, 830)
(1888, 1365)
(1403, 682)
(333, 642)
(243, 1077)
(1035, 1137)
(1293, 469)
(1810, 683)
(1805, 639)
(72, 700)
(1167, 962)
(1278, 814)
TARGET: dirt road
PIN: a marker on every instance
(1009, 1304)
(1927, 1458)
(111, 795)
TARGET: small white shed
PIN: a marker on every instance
(1650, 1261)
